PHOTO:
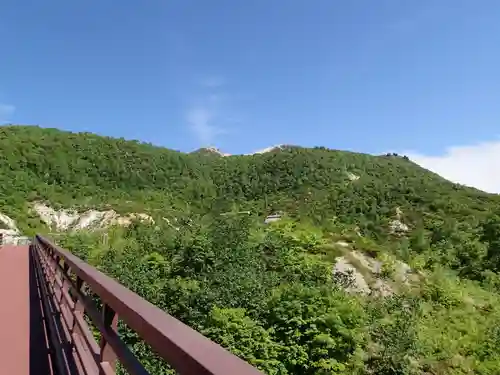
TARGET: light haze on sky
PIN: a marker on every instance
(411, 76)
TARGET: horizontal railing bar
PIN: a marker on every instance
(186, 350)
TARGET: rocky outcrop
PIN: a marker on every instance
(91, 219)
(359, 273)
(344, 270)
(11, 234)
(397, 226)
(210, 151)
(269, 149)
(353, 177)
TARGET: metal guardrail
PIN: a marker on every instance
(62, 277)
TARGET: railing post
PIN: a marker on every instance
(65, 282)
(78, 309)
(110, 320)
(57, 273)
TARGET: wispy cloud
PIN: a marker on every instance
(213, 81)
(6, 110)
(202, 121)
(472, 165)
(208, 115)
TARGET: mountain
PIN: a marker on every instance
(209, 151)
(83, 170)
(273, 149)
(370, 264)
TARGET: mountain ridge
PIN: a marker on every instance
(88, 170)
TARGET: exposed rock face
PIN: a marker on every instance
(371, 264)
(12, 235)
(357, 282)
(359, 273)
(342, 243)
(9, 223)
(216, 151)
(382, 289)
(403, 272)
(275, 148)
(210, 150)
(353, 177)
(398, 226)
(269, 149)
(69, 220)
(61, 220)
(91, 219)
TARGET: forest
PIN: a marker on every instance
(267, 292)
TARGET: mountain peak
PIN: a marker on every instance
(274, 148)
(210, 151)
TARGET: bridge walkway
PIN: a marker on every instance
(23, 344)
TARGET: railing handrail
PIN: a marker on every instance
(183, 348)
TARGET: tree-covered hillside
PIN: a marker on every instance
(86, 170)
(428, 249)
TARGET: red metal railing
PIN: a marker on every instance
(65, 282)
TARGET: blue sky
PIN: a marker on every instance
(420, 77)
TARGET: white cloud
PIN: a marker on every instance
(208, 113)
(475, 165)
(6, 110)
(202, 121)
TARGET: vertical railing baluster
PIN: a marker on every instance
(79, 308)
(78, 313)
(65, 282)
(110, 320)
(57, 272)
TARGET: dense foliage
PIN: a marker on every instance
(86, 170)
(267, 292)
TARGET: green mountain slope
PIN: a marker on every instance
(86, 170)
